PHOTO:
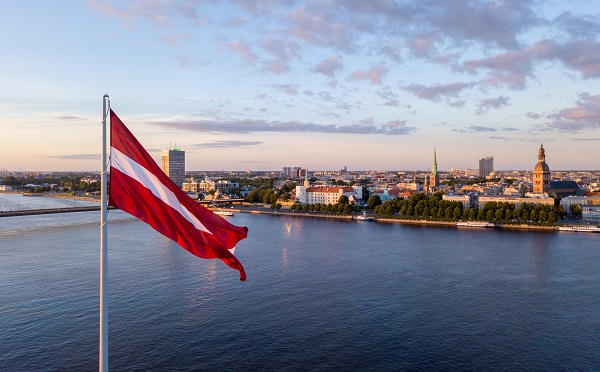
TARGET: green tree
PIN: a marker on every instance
(575, 210)
(343, 200)
(374, 200)
(456, 213)
(499, 214)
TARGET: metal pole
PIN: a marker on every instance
(103, 360)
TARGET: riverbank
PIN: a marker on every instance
(420, 222)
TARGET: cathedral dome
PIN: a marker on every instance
(542, 166)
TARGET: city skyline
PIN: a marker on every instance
(261, 85)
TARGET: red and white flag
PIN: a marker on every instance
(139, 187)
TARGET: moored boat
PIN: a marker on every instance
(580, 228)
(224, 213)
(363, 217)
(475, 224)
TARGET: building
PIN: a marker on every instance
(486, 166)
(563, 189)
(220, 186)
(173, 164)
(541, 174)
(434, 178)
(465, 200)
(517, 201)
(591, 214)
(307, 194)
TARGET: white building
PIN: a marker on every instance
(466, 200)
(327, 194)
(571, 200)
(222, 186)
(591, 214)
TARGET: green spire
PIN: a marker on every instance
(434, 168)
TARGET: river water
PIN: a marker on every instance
(320, 295)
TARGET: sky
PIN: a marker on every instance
(260, 85)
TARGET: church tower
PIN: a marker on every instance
(434, 178)
(541, 174)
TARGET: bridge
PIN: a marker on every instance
(31, 212)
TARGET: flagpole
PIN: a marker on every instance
(103, 359)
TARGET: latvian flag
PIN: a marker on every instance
(139, 187)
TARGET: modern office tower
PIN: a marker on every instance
(486, 166)
(173, 164)
(541, 174)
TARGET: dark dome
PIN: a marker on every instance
(542, 166)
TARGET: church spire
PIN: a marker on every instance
(434, 178)
(542, 153)
(434, 168)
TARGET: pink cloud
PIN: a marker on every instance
(374, 75)
(329, 66)
(243, 50)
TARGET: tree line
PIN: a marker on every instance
(434, 207)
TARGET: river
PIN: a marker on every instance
(320, 295)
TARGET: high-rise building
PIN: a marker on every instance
(173, 164)
(541, 174)
(486, 166)
(434, 178)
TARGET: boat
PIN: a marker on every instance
(363, 217)
(484, 224)
(580, 228)
(224, 213)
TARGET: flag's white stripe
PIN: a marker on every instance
(123, 163)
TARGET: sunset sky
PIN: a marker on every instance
(265, 84)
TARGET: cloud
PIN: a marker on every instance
(221, 144)
(493, 23)
(164, 14)
(534, 115)
(284, 52)
(243, 50)
(70, 117)
(329, 66)
(395, 127)
(316, 24)
(585, 115)
(492, 103)
(578, 26)
(374, 75)
(480, 129)
(291, 89)
(435, 92)
(76, 157)
(174, 40)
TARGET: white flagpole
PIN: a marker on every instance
(103, 360)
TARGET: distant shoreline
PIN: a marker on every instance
(398, 220)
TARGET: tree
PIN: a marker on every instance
(575, 210)
(374, 200)
(500, 214)
(343, 200)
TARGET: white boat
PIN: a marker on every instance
(475, 224)
(363, 217)
(580, 228)
(224, 213)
